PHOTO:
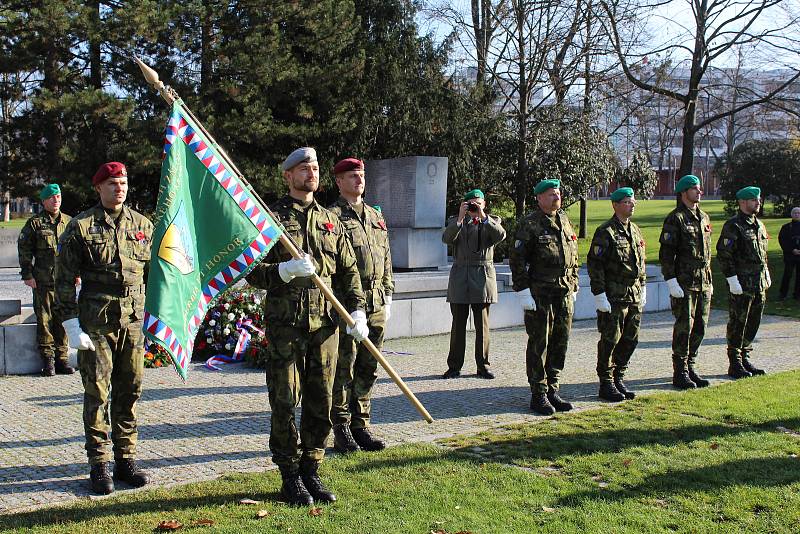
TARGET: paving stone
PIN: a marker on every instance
(218, 422)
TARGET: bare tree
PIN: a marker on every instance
(719, 27)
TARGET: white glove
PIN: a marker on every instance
(601, 303)
(575, 295)
(644, 297)
(526, 300)
(734, 285)
(388, 307)
(675, 289)
(78, 339)
(296, 267)
(769, 280)
(359, 330)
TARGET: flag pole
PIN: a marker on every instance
(170, 96)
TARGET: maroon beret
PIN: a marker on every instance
(112, 169)
(348, 164)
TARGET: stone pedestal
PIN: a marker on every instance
(412, 193)
(9, 256)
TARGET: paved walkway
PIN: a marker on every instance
(218, 422)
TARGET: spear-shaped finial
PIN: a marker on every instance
(151, 77)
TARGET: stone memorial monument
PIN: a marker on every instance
(412, 193)
(8, 247)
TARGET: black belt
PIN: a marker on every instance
(111, 289)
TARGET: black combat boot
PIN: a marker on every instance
(308, 473)
(680, 376)
(63, 368)
(608, 391)
(126, 470)
(622, 388)
(294, 491)
(736, 369)
(697, 379)
(366, 440)
(541, 405)
(49, 368)
(343, 440)
(753, 370)
(556, 401)
(100, 476)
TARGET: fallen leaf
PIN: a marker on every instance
(464, 532)
(626, 462)
(171, 524)
(261, 514)
(603, 484)
(597, 478)
(203, 523)
(438, 531)
(315, 512)
(548, 509)
(714, 446)
(458, 508)
(249, 501)
(792, 455)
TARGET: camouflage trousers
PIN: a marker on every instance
(691, 317)
(112, 384)
(548, 331)
(619, 335)
(300, 371)
(356, 372)
(50, 334)
(744, 318)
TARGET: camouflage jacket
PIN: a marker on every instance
(742, 251)
(300, 303)
(111, 257)
(38, 247)
(370, 239)
(685, 251)
(544, 257)
(472, 278)
(616, 262)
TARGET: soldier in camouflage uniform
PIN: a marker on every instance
(356, 368)
(544, 266)
(619, 285)
(302, 327)
(37, 260)
(108, 247)
(685, 256)
(742, 256)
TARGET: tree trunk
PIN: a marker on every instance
(522, 118)
(95, 52)
(206, 44)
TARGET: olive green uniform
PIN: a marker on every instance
(544, 259)
(742, 251)
(110, 252)
(38, 249)
(472, 284)
(616, 267)
(685, 254)
(301, 328)
(356, 368)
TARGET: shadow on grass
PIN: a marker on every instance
(109, 508)
(752, 472)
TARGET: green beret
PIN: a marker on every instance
(622, 192)
(690, 180)
(544, 185)
(747, 193)
(475, 193)
(49, 190)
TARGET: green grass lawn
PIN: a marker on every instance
(723, 459)
(14, 223)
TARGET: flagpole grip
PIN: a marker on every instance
(345, 315)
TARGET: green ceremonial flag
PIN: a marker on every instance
(209, 232)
